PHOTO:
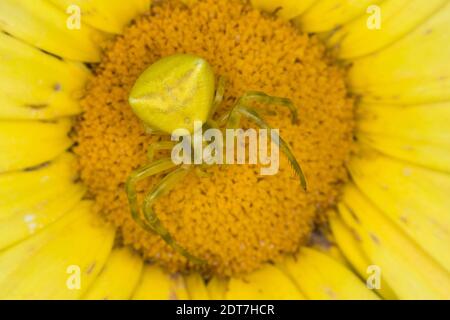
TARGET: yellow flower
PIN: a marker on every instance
(390, 227)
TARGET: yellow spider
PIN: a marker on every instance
(171, 95)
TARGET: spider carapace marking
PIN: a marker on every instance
(172, 94)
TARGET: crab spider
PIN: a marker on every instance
(172, 94)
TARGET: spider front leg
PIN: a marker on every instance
(220, 91)
(260, 97)
(234, 119)
(151, 222)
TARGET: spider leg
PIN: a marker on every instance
(261, 97)
(162, 188)
(234, 119)
(220, 91)
(151, 222)
(138, 175)
(161, 145)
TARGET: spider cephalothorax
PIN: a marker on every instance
(172, 95)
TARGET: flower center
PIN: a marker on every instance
(232, 217)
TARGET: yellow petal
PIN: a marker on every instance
(419, 134)
(398, 17)
(35, 85)
(107, 15)
(29, 218)
(156, 284)
(118, 277)
(354, 253)
(17, 109)
(286, 9)
(25, 144)
(196, 287)
(424, 123)
(321, 277)
(408, 270)
(31, 200)
(41, 24)
(421, 153)
(217, 288)
(49, 264)
(267, 283)
(395, 76)
(327, 15)
(414, 198)
(25, 182)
